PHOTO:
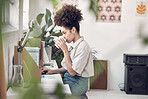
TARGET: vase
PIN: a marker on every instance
(48, 50)
(17, 78)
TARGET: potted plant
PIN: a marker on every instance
(99, 80)
(47, 33)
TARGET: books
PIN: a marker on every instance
(30, 68)
(34, 52)
(42, 53)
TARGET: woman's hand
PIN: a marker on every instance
(62, 44)
(48, 71)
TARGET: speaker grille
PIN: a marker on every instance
(135, 79)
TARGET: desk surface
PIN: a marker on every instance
(48, 83)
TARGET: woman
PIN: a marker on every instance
(77, 63)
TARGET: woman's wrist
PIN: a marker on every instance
(65, 51)
(56, 71)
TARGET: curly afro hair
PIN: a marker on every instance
(68, 16)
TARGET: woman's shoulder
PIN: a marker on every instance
(84, 46)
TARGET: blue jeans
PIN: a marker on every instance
(78, 85)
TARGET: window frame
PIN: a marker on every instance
(8, 24)
(5, 13)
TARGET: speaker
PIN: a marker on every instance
(136, 79)
(135, 59)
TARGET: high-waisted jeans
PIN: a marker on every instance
(78, 85)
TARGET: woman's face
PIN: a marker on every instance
(67, 34)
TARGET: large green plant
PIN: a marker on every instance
(45, 28)
(46, 32)
(99, 66)
(49, 29)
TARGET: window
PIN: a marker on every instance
(25, 13)
(5, 13)
(15, 14)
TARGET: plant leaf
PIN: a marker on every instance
(45, 27)
(39, 18)
(56, 34)
(47, 15)
(55, 3)
(47, 38)
(49, 22)
(93, 7)
(48, 19)
(52, 29)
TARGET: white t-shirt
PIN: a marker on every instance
(81, 58)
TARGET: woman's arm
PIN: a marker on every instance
(61, 43)
(56, 71)
(69, 64)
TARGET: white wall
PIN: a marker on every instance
(111, 40)
(10, 40)
(38, 6)
(11, 35)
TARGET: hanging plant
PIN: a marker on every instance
(93, 7)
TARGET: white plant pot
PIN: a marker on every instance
(49, 52)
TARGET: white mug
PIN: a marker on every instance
(57, 38)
